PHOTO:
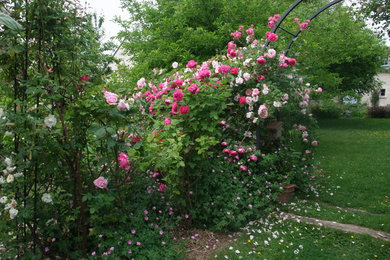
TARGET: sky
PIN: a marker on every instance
(111, 8)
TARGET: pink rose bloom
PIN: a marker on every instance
(255, 92)
(224, 144)
(174, 108)
(263, 111)
(234, 70)
(302, 128)
(231, 45)
(291, 61)
(100, 183)
(303, 26)
(241, 150)
(193, 88)
(111, 98)
(123, 160)
(184, 109)
(178, 82)
(122, 105)
(305, 135)
(271, 36)
(226, 151)
(260, 60)
(236, 34)
(307, 151)
(191, 64)
(271, 53)
(242, 100)
(178, 95)
(141, 83)
(248, 92)
(285, 97)
(247, 76)
(243, 168)
(319, 90)
(222, 123)
(224, 69)
(271, 25)
(204, 73)
(233, 153)
(162, 187)
(84, 78)
(314, 143)
(167, 121)
(253, 157)
(250, 31)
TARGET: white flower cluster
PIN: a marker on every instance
(11, 207)
(46, 197)
(50, 121)
(8, 172)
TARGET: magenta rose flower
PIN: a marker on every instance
(178, 95)
(224, 69)
(100, 182)
(184, 109)
(123, 160)
(174, 108)
(271, 36)
(260, 60)
(193, 88)
(191, 64)
(167, 121)
(253, 157)
(111, 98)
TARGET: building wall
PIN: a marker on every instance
(383, 100)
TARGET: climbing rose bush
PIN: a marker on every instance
(206, 114)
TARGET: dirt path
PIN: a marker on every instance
(340, 226)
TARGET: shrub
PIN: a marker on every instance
(379, 112)
(327, 109)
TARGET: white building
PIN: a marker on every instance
(384, 92)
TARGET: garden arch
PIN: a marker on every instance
(293, 39)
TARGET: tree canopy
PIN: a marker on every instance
(337, 52)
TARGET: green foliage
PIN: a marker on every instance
(327, 109)
(7, 20)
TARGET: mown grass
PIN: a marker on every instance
(355, 157)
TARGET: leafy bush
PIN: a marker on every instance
(379, 112)
(327, 109)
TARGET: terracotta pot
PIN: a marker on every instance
(287, 193)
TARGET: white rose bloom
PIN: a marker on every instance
(1, 180)
(50, 121)
(12, 213)
(11, 169)
(8, 161)
(249, 114)
(239, 80)
(277, 104)
(175, 65)
(46, 197)
(10, 178)
(3, 199)
(18, 174)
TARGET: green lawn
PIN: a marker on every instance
(356, 159)
(354, 156)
